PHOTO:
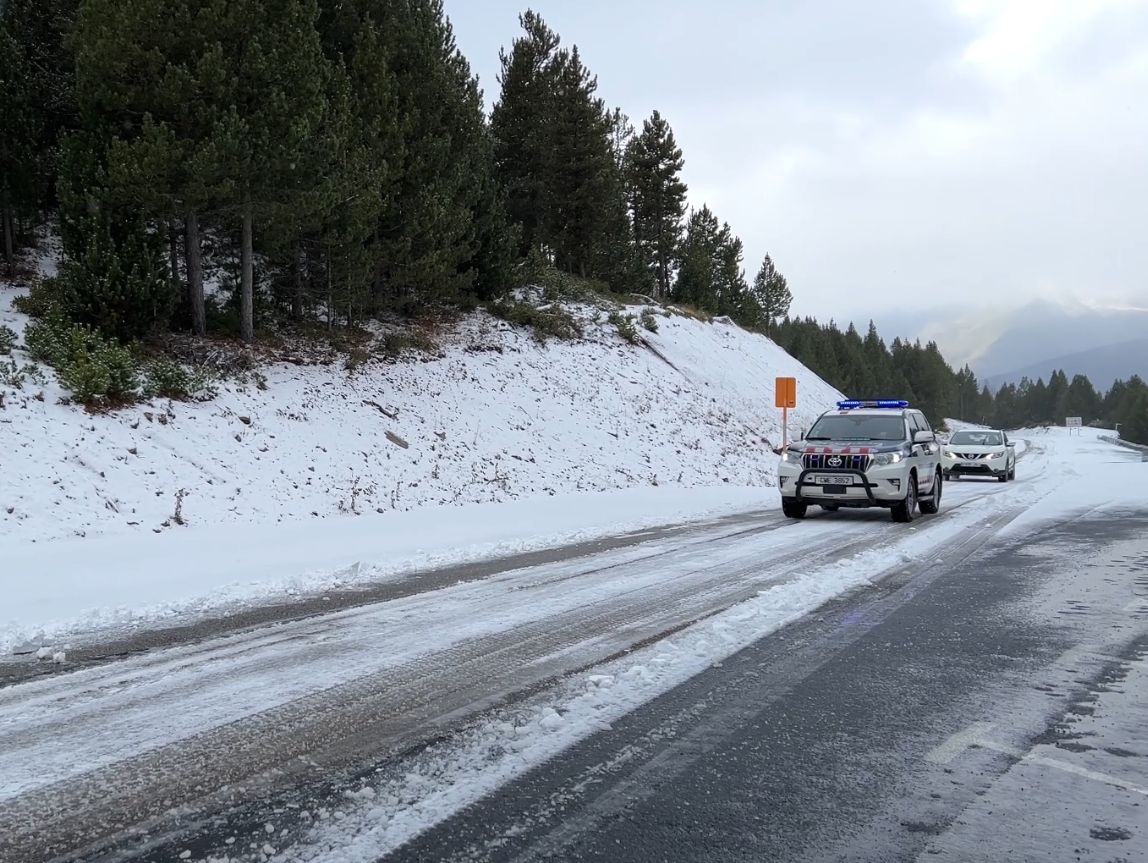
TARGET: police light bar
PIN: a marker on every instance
(851, 404)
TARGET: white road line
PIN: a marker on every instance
(976, 736)
(1085, 772)
(959, 742)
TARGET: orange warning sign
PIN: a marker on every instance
(785, 396)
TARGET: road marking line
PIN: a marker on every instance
(1086, 773)
(958, 743)
(976, 736)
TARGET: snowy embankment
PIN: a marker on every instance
(581, 439)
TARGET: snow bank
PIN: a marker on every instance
(57, 590)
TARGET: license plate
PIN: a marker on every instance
(972, 464)
(832, 479)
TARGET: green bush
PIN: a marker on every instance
(163, 376)
(97, 370)
(546, 321)
(7, 341)
(649, 321)
(42, 301)
(625, 326)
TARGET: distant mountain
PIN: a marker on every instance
(1006, 344)
(1101, 365)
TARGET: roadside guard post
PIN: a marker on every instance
(785, 397)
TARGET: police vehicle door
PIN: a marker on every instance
(929, 454)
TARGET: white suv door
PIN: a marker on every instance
(928, 456)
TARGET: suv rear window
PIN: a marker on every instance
(858, 427)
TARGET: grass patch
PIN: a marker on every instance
(7, 340)
(550, 321)
(687, 311)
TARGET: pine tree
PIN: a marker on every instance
(584, 186)
(697, 279)
(732, 291)
(274, 80)
(37, 104)
(522, 125)
(657, 198)
(113, 276)
(1057, 396)
(443, 232)
(157, 125)
(772, 292)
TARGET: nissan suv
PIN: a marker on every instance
(980, 452)
(879, 453)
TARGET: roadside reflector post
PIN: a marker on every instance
(785, 397)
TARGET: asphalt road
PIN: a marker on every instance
(993, 709)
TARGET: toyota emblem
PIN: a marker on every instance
(836, 461)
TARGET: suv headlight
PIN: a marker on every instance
(886, 458)
(950, 454)
(997, 455)
(791, 457)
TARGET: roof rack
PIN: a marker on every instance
(892, 404)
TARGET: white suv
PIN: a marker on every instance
(865, 453)
(980, 452)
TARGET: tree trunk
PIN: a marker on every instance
(330, 292)
(9, 239)
(297, 296)
(194, 254)
(173, 251)
(247, 280)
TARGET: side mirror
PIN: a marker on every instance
(924, 437)
(1011, 443)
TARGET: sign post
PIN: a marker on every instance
(785, 397)
(1073, 424)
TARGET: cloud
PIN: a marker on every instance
(891, 155)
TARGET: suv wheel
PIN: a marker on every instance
(793, 509)
(906, 510)
(933, 505)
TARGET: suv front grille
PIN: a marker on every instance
(820, 461)
(972, 456)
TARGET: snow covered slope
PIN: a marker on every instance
(497, 417)
(292, 486)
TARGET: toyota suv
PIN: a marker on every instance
(879, 453)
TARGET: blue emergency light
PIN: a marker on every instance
(851, 404)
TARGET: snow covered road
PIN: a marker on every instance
(150, 739)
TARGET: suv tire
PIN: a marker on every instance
(793, 509)
(933, 505)
(905, 511)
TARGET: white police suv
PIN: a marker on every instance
(866, 453)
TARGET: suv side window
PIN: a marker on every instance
(920, 422)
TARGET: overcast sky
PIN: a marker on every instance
(888, 155)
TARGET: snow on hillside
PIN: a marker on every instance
(498, 417)
(586, 438)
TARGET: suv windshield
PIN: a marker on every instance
(858, 427)
(976, 438)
